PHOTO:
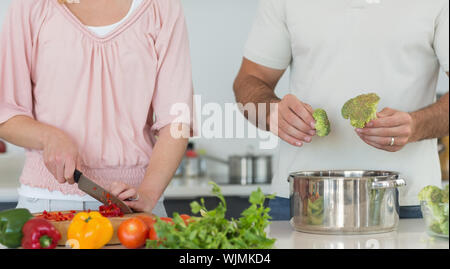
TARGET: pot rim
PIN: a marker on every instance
(341, 174)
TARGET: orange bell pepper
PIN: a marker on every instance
(89, 231)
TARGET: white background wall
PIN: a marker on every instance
(218, 30)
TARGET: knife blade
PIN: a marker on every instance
(98, 192)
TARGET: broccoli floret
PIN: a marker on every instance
(444, 227)
(437, 204)
(323, 126)
(315, 212)
(440, 215)
(361, 109)
(445, 195)
(431, 195)
(436, 228)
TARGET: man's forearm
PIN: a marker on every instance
(431, 122)
(26, 132)
(252, 90)
(166, 156)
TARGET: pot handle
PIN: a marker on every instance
(289, 178)
(215, 159)
(388, 184)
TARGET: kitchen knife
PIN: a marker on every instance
(98, 192)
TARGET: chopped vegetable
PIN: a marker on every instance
(431, 195)
(110, 210)
(435, 208)
(315, 211)
(11, 224)
(90, 230)
(57, 216)
(361, 109)
(445, 195)
(213, 230)
(323, 126)
(39, 233)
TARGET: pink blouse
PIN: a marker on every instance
(110, 94)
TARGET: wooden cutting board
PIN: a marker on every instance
(63, 227)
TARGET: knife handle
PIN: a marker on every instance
(76, 175)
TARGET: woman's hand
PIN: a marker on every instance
(392, 131)
(60, 156)
(138, 200)
(295, 121)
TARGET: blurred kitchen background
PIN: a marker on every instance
(218, 30)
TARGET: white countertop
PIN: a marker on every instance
(410, 235)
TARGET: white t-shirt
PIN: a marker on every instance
(102, 31)
(40, 193)
(338, 49)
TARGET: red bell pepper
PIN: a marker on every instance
(39, 233)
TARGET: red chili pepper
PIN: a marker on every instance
(110, 210)
(57, 216)
(38, 233)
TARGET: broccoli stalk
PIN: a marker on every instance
(361, 109)
(323, 126)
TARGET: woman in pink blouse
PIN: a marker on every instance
(92, 85)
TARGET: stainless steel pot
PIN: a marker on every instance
(345, 202)
(262, 169)
(241, 169)
(247, 169)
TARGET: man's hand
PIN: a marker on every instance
(295, 121)
(292, 121)
(390, 124)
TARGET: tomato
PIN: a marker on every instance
(152, 235)
(150, 221)
(167, 220)
(133, 233)
(186, 218)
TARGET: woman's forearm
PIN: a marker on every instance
(166, 157)
(26, 132)
(60, 152)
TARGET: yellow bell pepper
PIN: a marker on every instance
(89, 231)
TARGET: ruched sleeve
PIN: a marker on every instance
(173, 97)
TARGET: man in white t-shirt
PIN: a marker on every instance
(336, 50)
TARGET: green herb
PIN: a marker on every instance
(213, 231)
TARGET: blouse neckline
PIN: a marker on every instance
(119, 29)
(104, 30)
